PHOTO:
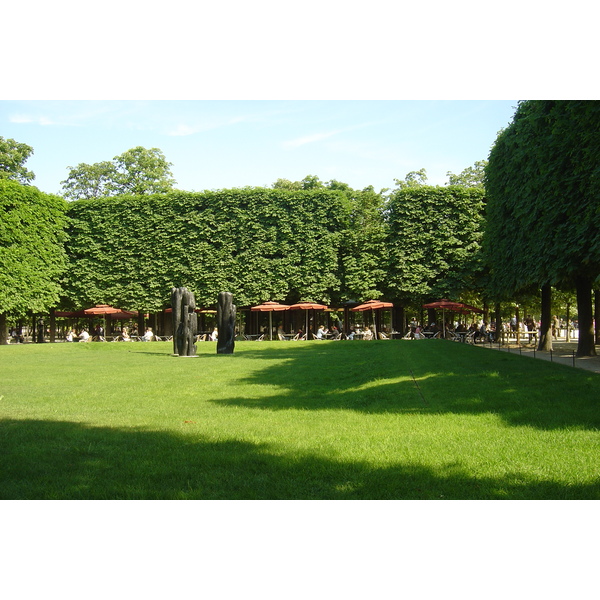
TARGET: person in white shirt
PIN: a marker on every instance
(148, 336)
(84, 336)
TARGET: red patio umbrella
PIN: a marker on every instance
(307, 306)
(372, 305)
(101, 310)
(269, 307)
(445, 304)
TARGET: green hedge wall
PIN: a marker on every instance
(260, 244)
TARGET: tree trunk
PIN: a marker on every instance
(568, 334)
(585, 345)
(597, 314)
(545, 342)
(3, 330)
(499, 330)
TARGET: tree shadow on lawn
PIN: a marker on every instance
(427, 377)
(64, 460)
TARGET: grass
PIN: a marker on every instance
(285, 420)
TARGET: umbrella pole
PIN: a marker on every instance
(306, 330)
(271, 326)
(374, 325)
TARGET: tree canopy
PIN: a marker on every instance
(13, 156)
(32, 256)
(259, 244)
(434, 240)
(137, 171)
(470, 177)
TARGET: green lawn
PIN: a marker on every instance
(295, 420)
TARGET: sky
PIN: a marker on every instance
(220, 144)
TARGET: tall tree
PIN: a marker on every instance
(543, 187)
(32, 256)
(412, 179)
(469, 177)
(137, 171)
(142, 171)
(89, 181)
(13, 156)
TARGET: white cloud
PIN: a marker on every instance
(28, 119)
(310, 139)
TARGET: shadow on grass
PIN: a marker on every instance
(423, 377)
(63, 460)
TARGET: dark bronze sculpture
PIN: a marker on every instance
(185, 322)
(226, 312)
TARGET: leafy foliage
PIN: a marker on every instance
(136, 171)
(32, 257)
(434, 240)
(13, 156)
(469, 177)
(543, 190)
(260, 244)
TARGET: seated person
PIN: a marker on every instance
(214, 335)
(368, 335)
(84, 336)
(148, 336)
(321, 332)
(125, 335)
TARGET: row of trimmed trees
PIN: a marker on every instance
(534, 228)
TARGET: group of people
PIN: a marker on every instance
(480, 331)
(98, 335)
(323, 333)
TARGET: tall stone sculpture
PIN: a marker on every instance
(226, 312)
(185, 322)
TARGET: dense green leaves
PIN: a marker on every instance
(136, 171)
(259, 244)
(543, 196)
(434, 240)
(13, 156)
(32, 258)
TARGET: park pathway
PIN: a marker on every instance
(562, 353)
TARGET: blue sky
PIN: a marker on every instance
(223, 144)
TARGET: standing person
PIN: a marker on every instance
(413, 328)
(555, 327)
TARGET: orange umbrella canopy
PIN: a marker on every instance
(307, 306)
(101, 309)
(373, 305)
(449, 304)
(269, 306)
